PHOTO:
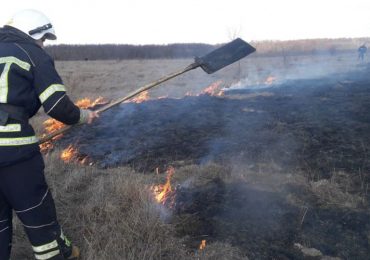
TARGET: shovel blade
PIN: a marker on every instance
(225, 55)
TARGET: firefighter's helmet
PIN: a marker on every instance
(34, 23)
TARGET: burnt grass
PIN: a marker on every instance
(316, 125)
(312, 126)
(265, 225)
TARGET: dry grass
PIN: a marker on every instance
(119, 217)
(338, 191)
(111, 214)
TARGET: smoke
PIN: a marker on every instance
(289, 68)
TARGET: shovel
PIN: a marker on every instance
(210, 63)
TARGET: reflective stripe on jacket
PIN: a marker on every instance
(28, 79)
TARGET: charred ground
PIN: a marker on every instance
(315, 125)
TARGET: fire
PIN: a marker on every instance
(51, 125)
(86, 103)
(143, 96)
(202, 244)
(71, 154)
(68, 154)
(270, 80)
(163, 191)
(212, 90)
(47, 146)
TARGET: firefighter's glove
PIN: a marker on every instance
(87, 116)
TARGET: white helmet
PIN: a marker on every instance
(33, 23)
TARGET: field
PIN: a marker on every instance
(275, 167)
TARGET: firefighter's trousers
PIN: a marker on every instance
(23, 189)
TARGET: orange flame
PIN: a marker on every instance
(86, 103)
(71, 154)
(270, 80)
(143, 96)
(212, 90)
(47, 146)
(68, 154)
(202, 245)
(163, 191)
(51, 125)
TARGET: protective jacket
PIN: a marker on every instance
(28, 80)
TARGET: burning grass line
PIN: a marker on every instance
(163, 193)
(202, 244)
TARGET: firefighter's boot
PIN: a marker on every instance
(68, 250)
(75, 253)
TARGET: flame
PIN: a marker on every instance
(71, 154)
(270, 80)
(163, 191)
(51, 125)
(86, 103)
(202, 244)
(68, 154)
(143, 96)
(47, 146)
(212, 90)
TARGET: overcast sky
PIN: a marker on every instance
(205, 21)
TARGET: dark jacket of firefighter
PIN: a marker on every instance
(28, 80)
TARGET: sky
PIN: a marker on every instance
(197, 21)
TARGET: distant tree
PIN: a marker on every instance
(125, 51)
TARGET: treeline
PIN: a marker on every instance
(125, 51)
(175, 51)
(310, 46)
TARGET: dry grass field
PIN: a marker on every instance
(289, 202)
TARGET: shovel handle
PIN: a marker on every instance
(146, 87)
(119, 101)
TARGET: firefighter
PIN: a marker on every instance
(361, 52)
(29, 80)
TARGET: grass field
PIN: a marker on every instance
(111, 212)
